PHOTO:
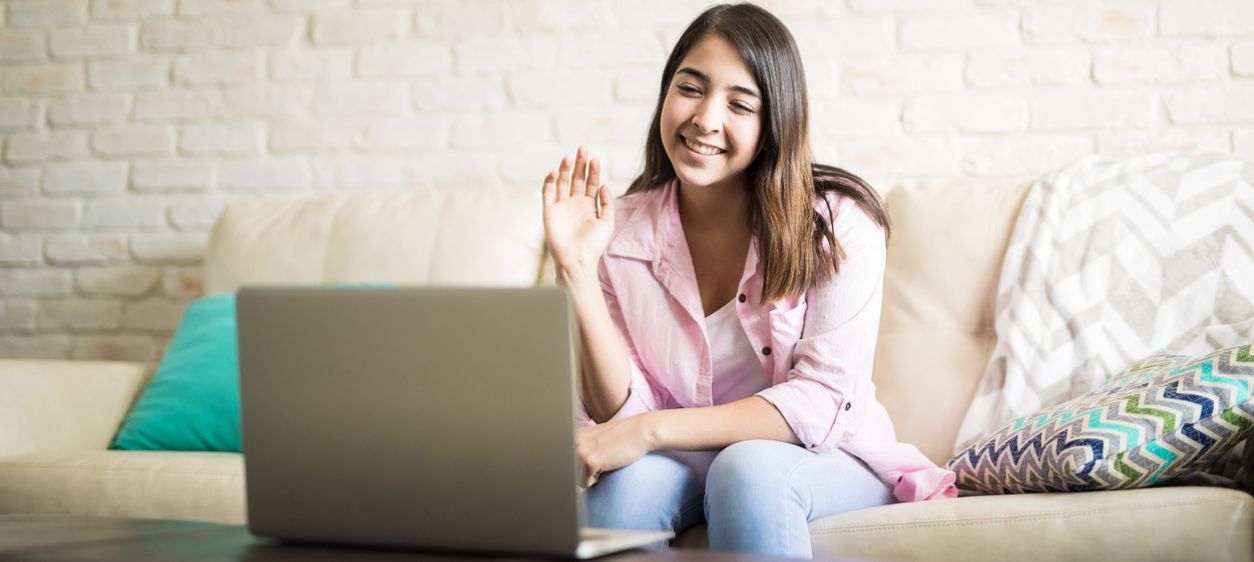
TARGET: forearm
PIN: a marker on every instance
(605, 372)
(715, 427)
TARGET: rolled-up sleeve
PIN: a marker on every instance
(641, 397)
(835, 352)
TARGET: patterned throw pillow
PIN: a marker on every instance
(1110, 260)
(1164, 416)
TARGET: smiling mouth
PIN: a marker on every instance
(700, 148)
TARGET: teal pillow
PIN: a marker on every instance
(1164, 416)
(192, 402)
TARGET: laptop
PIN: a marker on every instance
(427, 418)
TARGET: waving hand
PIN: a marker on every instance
(578, 215)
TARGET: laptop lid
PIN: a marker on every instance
(430, 417)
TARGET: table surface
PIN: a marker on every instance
(36, 538)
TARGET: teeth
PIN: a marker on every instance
(702, 148)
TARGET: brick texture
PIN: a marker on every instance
(127, 125)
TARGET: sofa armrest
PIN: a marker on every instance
(56, 404)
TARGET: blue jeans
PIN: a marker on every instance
(756, 496)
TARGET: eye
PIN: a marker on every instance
(688, 89)
(742, 108)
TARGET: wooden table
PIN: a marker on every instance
(41, 538)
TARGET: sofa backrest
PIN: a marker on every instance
(424, 237)
(936, 331)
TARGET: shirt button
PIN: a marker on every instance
(848, 405)
(766, 351)
(741, 298)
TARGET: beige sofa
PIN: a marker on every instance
(57, 417)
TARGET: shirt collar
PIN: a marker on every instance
(650, 231)
(647, 230)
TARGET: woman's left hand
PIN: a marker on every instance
(610, 446)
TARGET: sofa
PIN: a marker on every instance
(57, 418)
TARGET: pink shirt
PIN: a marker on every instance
(817, 348)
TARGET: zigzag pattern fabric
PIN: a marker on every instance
(1111, 261)
(1163, 417)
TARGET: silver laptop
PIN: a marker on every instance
(432, 418)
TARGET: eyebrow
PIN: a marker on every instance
(702, 77)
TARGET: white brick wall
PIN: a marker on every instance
(129, 74)
(46, 145)
(222, 138)
(70, 249)
(88, 110)
(100, 41)
(117, 281)
(89, 176)
(172, 175)
(173, 105)
(41, 79)
(126, 125)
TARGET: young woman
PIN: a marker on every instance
(728, 307)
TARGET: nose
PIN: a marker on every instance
(708, 117)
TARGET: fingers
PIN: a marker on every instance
(590, 476)
(550, 189)
(606, 207)
(581, 172)
(582, 177)
(594, 178)
(563, 179)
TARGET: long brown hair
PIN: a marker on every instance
(784, 182)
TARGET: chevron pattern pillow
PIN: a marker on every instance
(1163, 417)
(1110, 260)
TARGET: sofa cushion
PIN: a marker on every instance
(1175, 523)
(936, 330)
(59, 404)
(146, 484)
(1162, 417)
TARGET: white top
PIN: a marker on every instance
(737, 371)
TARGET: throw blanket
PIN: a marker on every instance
(1109, 262)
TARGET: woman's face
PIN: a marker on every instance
(712, 115)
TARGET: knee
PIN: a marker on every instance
(745, 465)
(617, 486)
(635, 496)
